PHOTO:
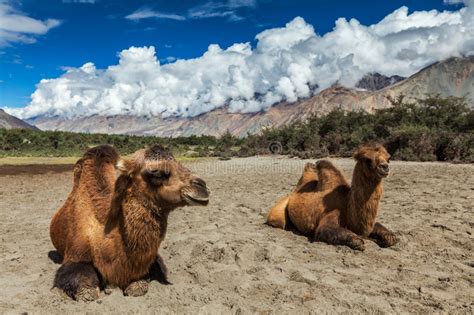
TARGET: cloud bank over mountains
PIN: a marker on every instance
(287, 63)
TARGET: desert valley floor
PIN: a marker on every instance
(224, 259)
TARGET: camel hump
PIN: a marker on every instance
(325, 164)
(100, 161)
(330, 176)
(102, 154)
(78, 171)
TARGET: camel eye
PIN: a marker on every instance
(158, 174)
(163, 174)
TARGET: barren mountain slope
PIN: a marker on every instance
(8, 122)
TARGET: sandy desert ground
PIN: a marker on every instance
(223, 259)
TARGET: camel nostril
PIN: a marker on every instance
(198, 182)
(200, 186)
(197, 192)
(384, 167)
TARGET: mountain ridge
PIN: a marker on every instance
(8, 121)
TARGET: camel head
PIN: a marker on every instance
(163, 180)
(374, 160)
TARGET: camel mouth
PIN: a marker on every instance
(197, 194)
(383, 173)
(193, 200)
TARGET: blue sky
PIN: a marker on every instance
(97, 30)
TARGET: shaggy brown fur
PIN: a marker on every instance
(324, 206)
(115, 225)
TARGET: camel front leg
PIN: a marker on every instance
(78, 280)
(158, 272)
(383, 236)
(330, 231)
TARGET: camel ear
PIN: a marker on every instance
(361, 156)
(125, 166)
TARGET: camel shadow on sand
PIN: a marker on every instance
(55, 256)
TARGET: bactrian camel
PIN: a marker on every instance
(326, 208)
(111, 226)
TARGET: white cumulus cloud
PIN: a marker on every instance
(15, 26)
(287, 63)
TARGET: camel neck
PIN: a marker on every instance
(144, 224)
(364, 197)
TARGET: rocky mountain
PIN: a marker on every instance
(9, 122)
(376, 81)
(452, 77)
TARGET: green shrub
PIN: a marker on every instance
(433, 128)
(26, 142)
(414, 143)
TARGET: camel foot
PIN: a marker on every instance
(330, 232)
(78, 280)
(383, 236)
(350, 241)
(87, 294)
(386, 240)
(137, 288)
(356, 244)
